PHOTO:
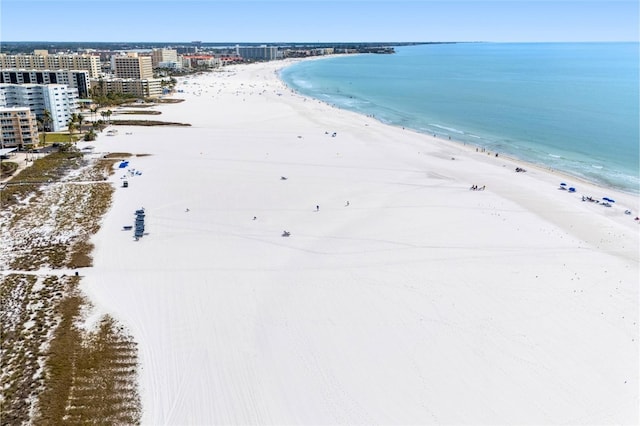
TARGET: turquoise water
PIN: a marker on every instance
(573, 107)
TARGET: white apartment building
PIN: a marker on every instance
(44, 61)
(18, 127)
(132, 65)
(78, 79)
(159, 56)
(60, 100)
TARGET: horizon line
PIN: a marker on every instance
(318, 42)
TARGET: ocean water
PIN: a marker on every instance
(572, 107)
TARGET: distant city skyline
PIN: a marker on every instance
(319, 21)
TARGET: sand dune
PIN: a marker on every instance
(421, 302)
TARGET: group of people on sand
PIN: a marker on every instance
(477, 188)
(520, 170)
(607, 203)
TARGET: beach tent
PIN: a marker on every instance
(5, 151)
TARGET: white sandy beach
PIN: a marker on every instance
(421, 302)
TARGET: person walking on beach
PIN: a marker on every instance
(317, 208)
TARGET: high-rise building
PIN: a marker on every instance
(60, 100)
(163, 55)
(42, 61)
(258, 53)
(132, 66)
(78, 79)
(18, 127)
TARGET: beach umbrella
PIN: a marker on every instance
(606, 199)
(563, 184)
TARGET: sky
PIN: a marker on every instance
(319, 20)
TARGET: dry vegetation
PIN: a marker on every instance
(50, 231)
(140, 112)
(147, 123)
(44, 170)
(169, 101)
(53, 370)
(7, 168)
(90, 376)
(117, 155)
(25, 324)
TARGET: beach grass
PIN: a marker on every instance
(43, 170)
(26, 317)
(54, 208)
(138, 105)
(140, 112)
(147, 123)
(90, 376)
(59, 138)
(168, 101)
(78, 206)
(54, 369)
(8, 168)
(117, 155)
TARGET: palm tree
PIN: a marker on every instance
(93, 112)
(46, 122)
(72, 126)
(101, 85)
(109, 112)
(90, 136)
(80, 119)
(40, 122)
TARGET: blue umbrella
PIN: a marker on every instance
(563, 184)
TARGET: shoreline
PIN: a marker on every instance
(563, 175)
(569, 174)
(416, 284)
